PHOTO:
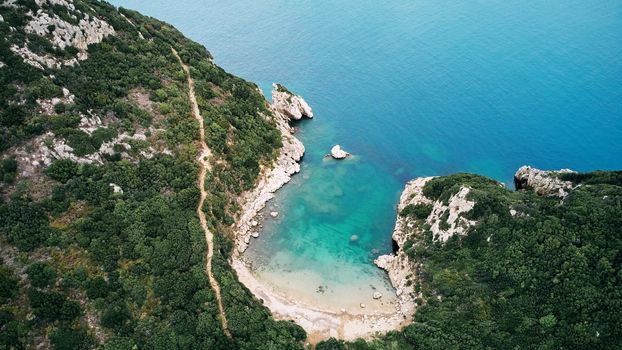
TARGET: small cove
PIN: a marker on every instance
(412, 88)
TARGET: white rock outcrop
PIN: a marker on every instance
(270, 180)
(42, 150)
(62, 34)
(89, 30)
(338, 153)
(47, 106)
(455, 224)
(289, 105)
(542, 182)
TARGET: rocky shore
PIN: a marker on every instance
(270, 180)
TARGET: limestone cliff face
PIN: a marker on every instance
(286, 165)
(542, 182)
(289, 105)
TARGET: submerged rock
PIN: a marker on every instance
(274, 214)
(338, 153)
(354, 238)
(292, 106)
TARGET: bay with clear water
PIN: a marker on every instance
(411, 88)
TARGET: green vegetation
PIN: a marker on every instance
(134, 261)
(84, 267)
(419, 211)
(8, 170)
(549, 278)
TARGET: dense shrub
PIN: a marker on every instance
(41, 275)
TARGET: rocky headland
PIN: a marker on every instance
(445, 219)
(289, 105)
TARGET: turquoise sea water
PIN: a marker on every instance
(411, 88)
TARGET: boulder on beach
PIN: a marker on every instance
(377, 295)
(338, 153)
(274, 214)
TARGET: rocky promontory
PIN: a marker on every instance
(447, 218)
(542, 182)
(288, 104)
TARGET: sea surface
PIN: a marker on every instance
(411, 88)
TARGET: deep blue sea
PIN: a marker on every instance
(411, 88)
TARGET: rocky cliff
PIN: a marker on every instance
(444, 218)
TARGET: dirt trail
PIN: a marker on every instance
(205, 167)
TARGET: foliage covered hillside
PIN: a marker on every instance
(536, 272)
(101, 247)
(100, 243)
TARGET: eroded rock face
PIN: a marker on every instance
(289, 105)
(542, 182)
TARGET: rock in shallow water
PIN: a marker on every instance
(338, 153)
